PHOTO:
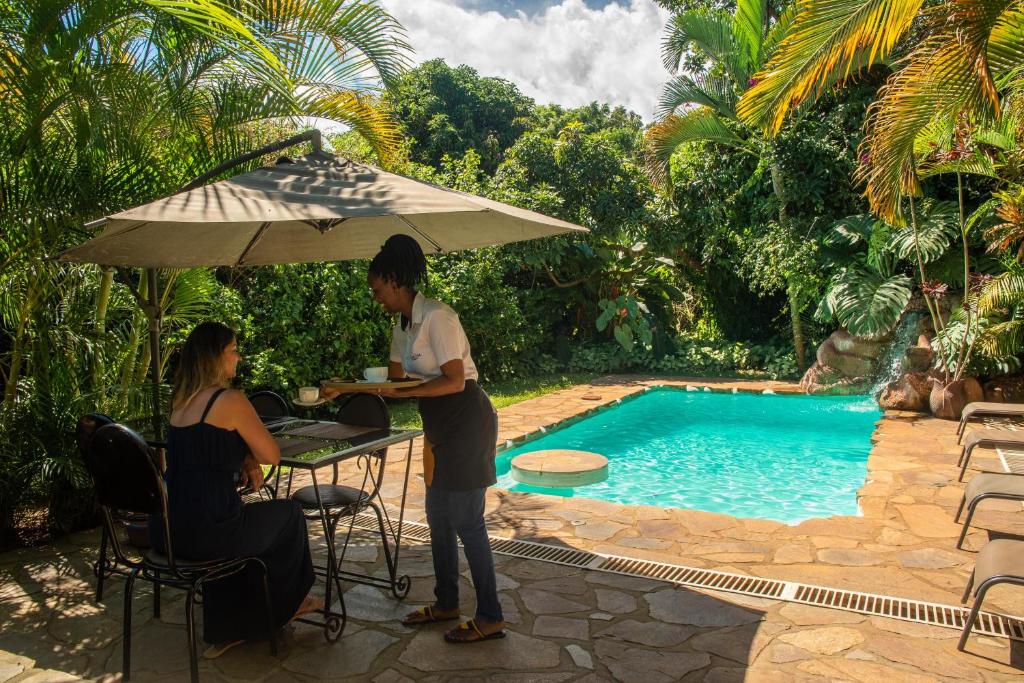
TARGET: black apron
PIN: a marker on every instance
(461, 431)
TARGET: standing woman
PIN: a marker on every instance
(460, 427)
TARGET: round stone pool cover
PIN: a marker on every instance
(559, 468)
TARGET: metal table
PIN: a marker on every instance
(311, 445)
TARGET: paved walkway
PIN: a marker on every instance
(577, 625)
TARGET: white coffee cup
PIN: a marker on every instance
(309, 394)
(376, 374)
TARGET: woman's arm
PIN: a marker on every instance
(244, 419)
(452, 381)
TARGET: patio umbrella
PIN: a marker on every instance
(316, 208)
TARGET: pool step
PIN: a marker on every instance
(933, 614)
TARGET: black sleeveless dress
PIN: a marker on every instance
(208, 521)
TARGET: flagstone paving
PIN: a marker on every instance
(569, 624)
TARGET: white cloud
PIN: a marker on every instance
(568, 54)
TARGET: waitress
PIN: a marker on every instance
(460, 427)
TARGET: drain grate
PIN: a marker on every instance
(933, 614)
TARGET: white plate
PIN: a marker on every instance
(304, 404)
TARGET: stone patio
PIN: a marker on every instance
(569, 624)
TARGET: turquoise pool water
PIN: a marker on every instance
(785, 458)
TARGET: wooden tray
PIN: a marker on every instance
(352, 386)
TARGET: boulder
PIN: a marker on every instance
(1008, 389)
(947, 400)
(902, 394)
(844, 342)
(847, 363)
(918, 358)
(921, 382)
(821, 379)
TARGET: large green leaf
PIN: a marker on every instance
(937, 228)
(850, 231)
(869, 304)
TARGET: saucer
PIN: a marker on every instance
(305, 404)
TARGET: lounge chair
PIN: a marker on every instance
(979, 409)
(988, 438)
(986, 485)
(1000, 561)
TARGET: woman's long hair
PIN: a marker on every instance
(401, 261)
(200, 363)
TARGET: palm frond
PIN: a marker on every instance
(711, 31)
(700, 89)
(828, 40)
(749, 30)
(697, 125)
(946, 74)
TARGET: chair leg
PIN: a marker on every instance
(966, 461)
(190, 629)
(967, 590)
(101, 564)
(967, 521)
(126, 647)
(979, 598)
(392, 569)
(960, 509)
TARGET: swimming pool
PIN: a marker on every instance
(784, 458)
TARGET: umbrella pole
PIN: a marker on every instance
(152, 309)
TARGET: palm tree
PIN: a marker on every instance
(701, 107)
(946, 90)
(106, 104)
(967, 52)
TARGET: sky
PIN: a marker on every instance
(568, 52)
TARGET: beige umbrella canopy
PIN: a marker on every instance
(318, 208)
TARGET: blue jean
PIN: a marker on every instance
(460, 514)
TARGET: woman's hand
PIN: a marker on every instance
(328, 393)
(252, 473)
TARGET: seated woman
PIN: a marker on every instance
(214, 434)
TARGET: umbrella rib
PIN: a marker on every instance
(252, 243)
(419, 232)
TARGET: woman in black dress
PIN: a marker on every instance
(214, 435)
(460, 427)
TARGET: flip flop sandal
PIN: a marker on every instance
(475, 634)
(215, 651)
(425, 615)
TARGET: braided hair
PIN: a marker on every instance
(401, 261)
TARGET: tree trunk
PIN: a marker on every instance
(798, 328)
(792, 291)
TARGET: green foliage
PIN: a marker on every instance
(691, 358)
(448, 111)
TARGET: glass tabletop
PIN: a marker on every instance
(308, 444)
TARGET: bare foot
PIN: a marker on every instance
(309, 604)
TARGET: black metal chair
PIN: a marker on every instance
(339, 500)
(134, 529)
(128, 481)
(272, 409)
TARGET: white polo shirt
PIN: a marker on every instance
(434, 337)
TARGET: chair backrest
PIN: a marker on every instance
(269, 404)
(124, 472)
(86, 428)
(364, 410)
